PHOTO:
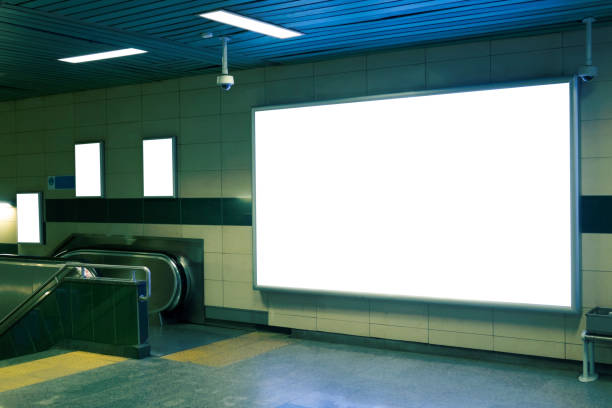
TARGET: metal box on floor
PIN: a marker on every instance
(599, 321)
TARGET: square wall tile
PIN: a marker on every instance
(158, 87)
(462, 319)
(90, 113)
(237, 240)
(29, 165)
(278, 72)
(59, 163)
(160, 106)
(213, 293)
(90, 95)
(343, 308)
(240, 295)
(395, 58)
(238, 267)
(127, 160)
(595, 138)
(58, 140)
(291, 90)
(243, 98)
(342, 85)
(249, 76)
(402, 333)
(529, 325)
(24, 120)
(200, 129)
(93, 133)
(127, 109)
(8, 166)
(595, 100)
(29, 103)
(160, 128)
(198, 157)
(124, 135)
(236, 127)
(529, 347)
(56, 117)
(31, 183)
(9, 144)
(162, 230)
(521, 66)
(293, 304)
(7, 106)
(213, 266)
(398, 313)
(596, 289)
(343, 327)
(124, 91)
(236, 155)
(340, 65)
(198, 82)
(200, 102)
(8, 231)
(461, 50)
(236, 183)
(522, 44)
(293, 322)
(211, 234)
(128, 229)
(396, 79)
(597, 252)
(8, 188)
(7, 122)
(463, 340)
(195, 184)
(471, 71)
(30, 142)
(58, 99)
(601, 34)
(596, 174)
(123, 185)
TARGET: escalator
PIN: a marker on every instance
(46, 302)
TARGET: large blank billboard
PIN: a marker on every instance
(460, 196)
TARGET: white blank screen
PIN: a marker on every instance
(28, 218)
(459, 196)
(88, 169)
(158, 167)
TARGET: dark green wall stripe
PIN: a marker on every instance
(596, 214)
(8, 248)
(192, 211)
(595, 211)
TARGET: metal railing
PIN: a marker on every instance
(40, 294)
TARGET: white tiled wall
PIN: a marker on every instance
(213, 131)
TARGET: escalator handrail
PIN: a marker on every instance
(53, 282)
(172, 263)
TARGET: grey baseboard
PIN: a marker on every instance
(236, 315)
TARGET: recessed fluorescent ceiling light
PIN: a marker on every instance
(103, 55)
(247, 23)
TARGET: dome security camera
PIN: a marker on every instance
(225, 82)
(587, 72)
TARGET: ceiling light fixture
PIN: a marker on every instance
(103, 55)
(247, 23)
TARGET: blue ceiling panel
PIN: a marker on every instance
(35, 33)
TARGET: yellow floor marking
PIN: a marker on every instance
(33, 372)
(230, 351)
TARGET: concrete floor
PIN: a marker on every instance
(299, 373)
